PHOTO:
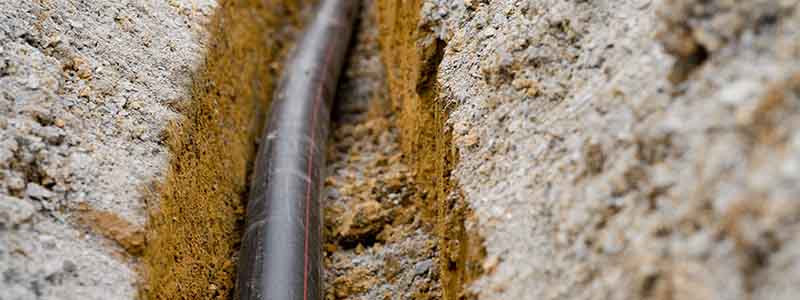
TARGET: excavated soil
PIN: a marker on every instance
(377, 244)
(198, 211)
(625, 149)
(518, 149)
(413, 51)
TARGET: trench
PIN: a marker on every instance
(394, 217)
(377, 244)
(197, 212)
(414, 55)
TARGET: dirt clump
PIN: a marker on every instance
(112, 226)
(361, 221)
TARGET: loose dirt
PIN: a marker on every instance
(630, 149)
(194, 231)
(516, 149)
(377, 244)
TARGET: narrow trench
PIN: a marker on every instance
(377, 245)
(394, 221)
(197, 211)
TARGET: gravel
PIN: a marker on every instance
(615, 149)
(627, 149)
(376, 244)
(86, 88)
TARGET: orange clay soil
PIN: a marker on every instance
(197, 212)
(412, 62)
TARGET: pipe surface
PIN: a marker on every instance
(280, 255)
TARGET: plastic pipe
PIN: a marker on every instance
(280, 255)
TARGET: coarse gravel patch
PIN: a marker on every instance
(86, 89)
(377, 244)
(633, 149)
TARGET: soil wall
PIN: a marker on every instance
(195, 226)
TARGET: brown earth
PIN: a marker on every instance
(378, 245)
(623, 149)
(413, 55)
(197, 213)
(129, 236)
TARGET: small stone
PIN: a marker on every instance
(15, 211)
(52, 134)
(490, 264)
(6, 155)
(423, 267)
(470, 139)
(15, 182)
(59, 123)
(528, 86)
(135, 105)
(69, 266)
(470, 3)
(82, 68)
(391, 266)
(39, 113)
(593, 156)
(85, 92)
(36, 191)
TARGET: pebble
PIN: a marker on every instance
(52, 134)
(15, 211)
(36, 191)
(69, 266)
(423, 267)
(15, 182)
(5, 157)
(470, 3)
(739, 92)
(490, 264)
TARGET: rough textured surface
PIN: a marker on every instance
(194, 232)
(615, 149)
(377, 244)
(86, 88)
(412, 52)
(626, 149)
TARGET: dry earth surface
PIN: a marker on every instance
(627, 149)
(377, 245)
(86, 89)
(610, 149)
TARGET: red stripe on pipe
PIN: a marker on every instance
(308, 186)
(282, 215)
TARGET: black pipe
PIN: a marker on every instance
(280, 256)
